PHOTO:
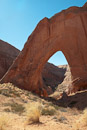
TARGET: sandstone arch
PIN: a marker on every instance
(56, 60)
(55, 71)
(66, 32)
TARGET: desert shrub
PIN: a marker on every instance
(9, 93)
(49, 110)
(82, 121)
(7, 110)
(33, 112)
(5, 92)
(53, 105)
(62, 119)
(15, 93)
(4, 121)
(15, 107)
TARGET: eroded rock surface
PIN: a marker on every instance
(65, 31)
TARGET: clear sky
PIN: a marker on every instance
(18, 18)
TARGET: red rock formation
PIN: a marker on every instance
(66, 32)
(52, 75)
(7, 55)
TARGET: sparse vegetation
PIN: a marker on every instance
(56, 107)
(5, 92)
(53, 105)
(49, 110)
(33, 112)
(7, 110)
(15, 107)
(62, 119)
(16, 102)
(12, 91)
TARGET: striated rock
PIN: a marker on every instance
(7, 55)
(66, 32)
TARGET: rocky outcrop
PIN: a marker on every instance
(66, 31)
(7, 55)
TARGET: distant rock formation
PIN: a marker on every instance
(8, 54)
(53, 76)
(65, 31)
(67, 80)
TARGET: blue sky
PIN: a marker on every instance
(18, 18)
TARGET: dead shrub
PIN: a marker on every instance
(33, 112)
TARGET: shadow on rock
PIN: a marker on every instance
(77, 100)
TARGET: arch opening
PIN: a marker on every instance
(58, 59)
(56, 72)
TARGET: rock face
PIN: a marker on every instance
(66, 32)
(7, 55)
(53, 75)
(67, 80)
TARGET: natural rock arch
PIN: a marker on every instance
(55, 72)
(66, 32)
(56, 60)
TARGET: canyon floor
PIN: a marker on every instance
(65, 114)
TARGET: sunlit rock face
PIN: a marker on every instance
(66, 32)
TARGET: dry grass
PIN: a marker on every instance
(4, 122)
(33, 112)
(82, 121)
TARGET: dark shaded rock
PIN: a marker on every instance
(7, 55)
(53, 75)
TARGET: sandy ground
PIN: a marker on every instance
(64, 119)
(46, 123)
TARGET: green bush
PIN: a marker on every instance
(48, 111)
(15, 107)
